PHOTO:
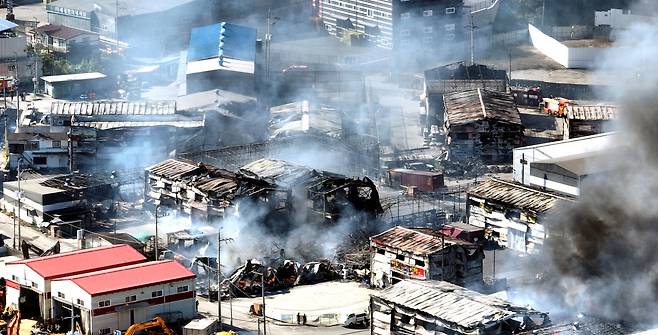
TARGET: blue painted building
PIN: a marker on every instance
(223, 56)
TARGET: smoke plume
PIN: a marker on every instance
(601, 257)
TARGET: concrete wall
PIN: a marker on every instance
(571, 58)
(620, 19)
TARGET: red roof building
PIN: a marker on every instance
(35, 275)
(131, 277)
(113, 299)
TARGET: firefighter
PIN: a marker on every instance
(299, 318)
(304, 319)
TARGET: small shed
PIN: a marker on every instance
(207, 326)
(71, 86)
(426, 181)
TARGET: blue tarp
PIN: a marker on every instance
(239, 42)
(6, 25)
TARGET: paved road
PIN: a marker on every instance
(246, 324)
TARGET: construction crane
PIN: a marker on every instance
(156, 322)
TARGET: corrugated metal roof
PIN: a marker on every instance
(279, 171)
(517, 195)
(237, 42)
(452, 304)
(173, 168)
(161, 107)
(82, 261)
(123, 278)
(580, 112)
(419, 241)
(100, 125)
(6, 25)
(476, 105)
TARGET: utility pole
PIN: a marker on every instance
(219, 278)
(70, 150)
(18, 175)
(155, 240)
(472, 25)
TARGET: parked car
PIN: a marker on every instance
(356, 319)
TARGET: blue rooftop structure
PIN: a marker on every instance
(6, 25)
(222, 40)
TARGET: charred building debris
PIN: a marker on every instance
(437, 306)
(454, 78)
(512, 213)
(482, 123)
(206, 193)
(402, 253)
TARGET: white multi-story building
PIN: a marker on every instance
(32, 278)
(116, 298)
(394, 23)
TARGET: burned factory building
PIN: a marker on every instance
(512, 213)
(439, 307)
(453, 78)
(482, 124)
(207, 193)
(423, 253)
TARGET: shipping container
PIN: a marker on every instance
(425, 181)
(206, 326)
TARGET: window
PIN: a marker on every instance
(381, 251)
(14, 278)
(449, 27)
(40, 160)
(450, 10)
(104, 303)
(156, 294)
(427, 39)
(399, 257)
(61, 295)
(80, 302)
(104, 331)
(405, 15)
(427, 12)
(404, 33)
(420, 263)
(427, 30)
(34, 145)
(33, 284)
(182, 289)
(57, 144)
(449, 37)
(131, 298)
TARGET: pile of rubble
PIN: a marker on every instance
(472, 169)
(247, 280)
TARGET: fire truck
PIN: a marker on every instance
(555, 106)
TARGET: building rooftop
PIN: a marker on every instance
(477, 105)
(125, 7)
(127, 277)
(100, 107)
(62, 32)
(6, 25)
(82, 261)
(73, 77)
(462, 310)
(459, 71)
(122, 238)
(517, 195)
(419, 241)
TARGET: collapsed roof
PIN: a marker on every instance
(301, 117)
(517, 195)
(480, 105)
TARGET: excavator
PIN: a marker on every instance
(156, 322)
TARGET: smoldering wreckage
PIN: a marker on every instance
(289, 199)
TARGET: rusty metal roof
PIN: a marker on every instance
(460, 309)
(101, 107)
(419, 241)
(580, 112)
(173, 168)
(517, 195)
(479, 105)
